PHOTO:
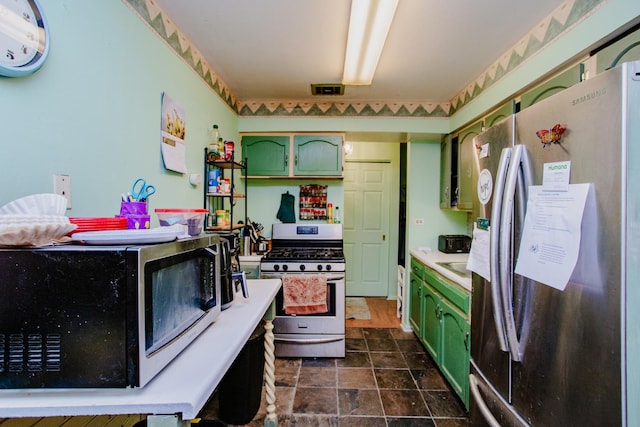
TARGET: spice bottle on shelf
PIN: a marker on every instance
(337, 217)
(330, 213)
(228, 150)
(220, 149)
(214, 148)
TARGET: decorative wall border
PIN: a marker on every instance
(564, 17)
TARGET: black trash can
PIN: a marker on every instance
(240, 390)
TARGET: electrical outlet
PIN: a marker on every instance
(419, 221)
(62, 186)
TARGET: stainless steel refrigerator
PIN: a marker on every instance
(544, 356)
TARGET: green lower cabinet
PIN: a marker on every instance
(431, 326)
(443, 327)
(455, 355)
(415, 290)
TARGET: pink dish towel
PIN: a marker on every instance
(304, 293)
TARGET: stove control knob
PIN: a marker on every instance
(276, 267)
(285, 267)
(328, 268)
(319, 267)
(302, 267)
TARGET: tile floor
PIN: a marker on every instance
(386, 379)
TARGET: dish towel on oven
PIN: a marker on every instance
(304, 293)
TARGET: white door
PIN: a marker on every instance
(366, 227)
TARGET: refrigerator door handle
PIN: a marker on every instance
(482, 406)
(519, 177)
(494, 258)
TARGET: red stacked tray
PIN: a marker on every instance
(98, 224)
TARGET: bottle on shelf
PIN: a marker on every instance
(330, 213)
(214, 147)
(220, 149)
(337, 217)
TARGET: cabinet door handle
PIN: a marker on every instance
(296, 160)
(286, 160)
(466, 341)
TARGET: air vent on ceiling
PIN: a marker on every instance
(327, 89)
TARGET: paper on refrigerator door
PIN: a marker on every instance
(478, 260)
(551, 235)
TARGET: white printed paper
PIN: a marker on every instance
(479, 254)
(555, 176)
(172, 132)
(551, 236)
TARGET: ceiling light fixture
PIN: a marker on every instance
(368, 28)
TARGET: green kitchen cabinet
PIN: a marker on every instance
(443, 325)
(415, 296)
(466, 167)
(293, 156)
(622, 50)
(431, 325)
(267, 155)
(317, 155)
(499, 114)
(552, 86)
(445, 173)
(457, 168)
(455, 350)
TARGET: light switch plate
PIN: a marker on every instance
(62, 186)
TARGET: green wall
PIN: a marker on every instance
(93, 111)
(423, 199)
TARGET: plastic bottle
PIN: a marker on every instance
(330, 213)
(337, 218)
(214, 148)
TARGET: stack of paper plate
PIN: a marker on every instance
(34, 230)
(35, 220)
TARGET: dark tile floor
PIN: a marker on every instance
(386, 380)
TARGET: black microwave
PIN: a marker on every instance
(77, 316)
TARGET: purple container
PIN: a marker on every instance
(133, 208)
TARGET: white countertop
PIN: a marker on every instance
(250, 258)
(184, 386)
(430, 258)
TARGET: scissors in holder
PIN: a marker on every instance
(140, 191)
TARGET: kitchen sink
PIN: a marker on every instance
(456, 267)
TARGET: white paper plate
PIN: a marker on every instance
(13, 219)
(128, 237)
(35, 234)
(36, 204)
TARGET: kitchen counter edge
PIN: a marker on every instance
(431, 258)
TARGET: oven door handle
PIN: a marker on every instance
(308, 340)
(334, 278)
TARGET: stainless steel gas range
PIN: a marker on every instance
(303, 250)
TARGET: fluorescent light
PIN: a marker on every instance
(368, 28)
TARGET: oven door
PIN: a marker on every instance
(331, 322)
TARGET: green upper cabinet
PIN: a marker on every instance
(552, 86)
(317, 155)
(466, 166)
(288, 155)
(624, 50)
(266, 155)
(445, 173)
(499, 114)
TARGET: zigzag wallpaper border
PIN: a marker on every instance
(567, 15)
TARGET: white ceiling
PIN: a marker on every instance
(268, 50)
